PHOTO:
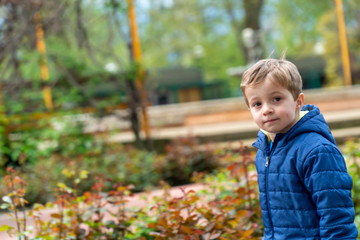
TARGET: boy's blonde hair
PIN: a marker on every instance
(279, 71)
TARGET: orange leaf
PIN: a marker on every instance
(247, 233)
(186, 229)
(87, 195)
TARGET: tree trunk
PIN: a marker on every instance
(251, 21)
(134, 104)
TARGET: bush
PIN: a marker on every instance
(116, 162)
(67, 148)
(228, 209)
(183, 158)
(351, 152)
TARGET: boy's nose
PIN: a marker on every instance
(267, 109)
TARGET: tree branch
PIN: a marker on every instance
(83, 40)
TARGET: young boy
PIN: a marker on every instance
(305, 189)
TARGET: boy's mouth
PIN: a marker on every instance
(270, 120)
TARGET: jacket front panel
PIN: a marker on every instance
(306, 175)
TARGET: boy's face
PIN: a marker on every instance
(273, 107)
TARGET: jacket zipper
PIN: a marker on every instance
(267, 162)
(267, 187)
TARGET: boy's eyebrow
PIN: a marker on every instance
(255, 98)
(275, 92)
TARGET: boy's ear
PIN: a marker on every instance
(300, 101)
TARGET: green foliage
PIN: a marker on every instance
(297, 39)
(60, 143)
(75, 56)
(189, 26)
(328, 27)
(65, 146)
(351, 152)
(30, 67)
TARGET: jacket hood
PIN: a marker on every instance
(313, 121)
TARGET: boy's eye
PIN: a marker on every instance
(277, 99)
(257, 104)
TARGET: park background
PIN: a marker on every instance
(140, 94)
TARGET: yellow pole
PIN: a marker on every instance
(134, 32)
(343, 42)
(40, 44)
(140, 74)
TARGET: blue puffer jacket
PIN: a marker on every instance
(305, 189)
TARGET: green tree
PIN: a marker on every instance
(249, 19)
(300, 25)
(293, 28)
(195, 33)
(327, 26)
(75, 33)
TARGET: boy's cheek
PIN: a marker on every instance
(258, 121)
(255, 116)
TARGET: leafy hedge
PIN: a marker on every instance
(227, 208)
(42, 155)
(351, 151)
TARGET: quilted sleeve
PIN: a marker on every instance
(327, 180)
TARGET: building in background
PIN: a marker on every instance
(311, 69)
(180, 84)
